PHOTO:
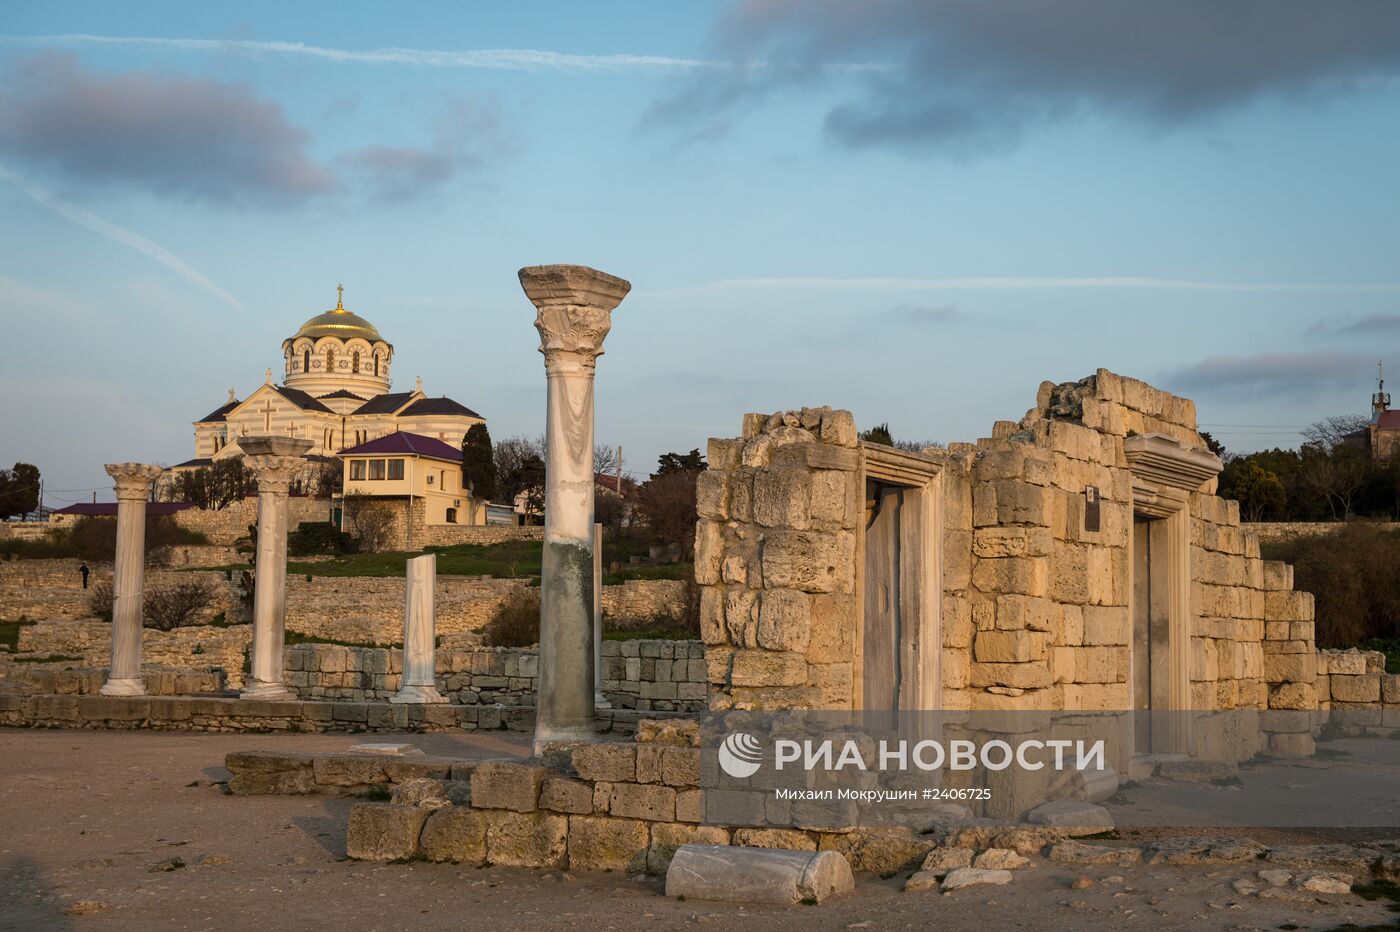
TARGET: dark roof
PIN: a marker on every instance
(1389, 420)
(301, 399)
(442, 405)
(342, 393)
(404, 442)
(609, 482)
(197, 461)
(387, 403)
(109, 509)
(218, 413)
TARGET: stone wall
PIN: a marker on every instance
(202, 647)
(646, 675)
(448, 535)
(227, 525)
(196, 555)
(775, 552)
(1267, 531)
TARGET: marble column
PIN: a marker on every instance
(574, 313)
(418, 683)
(275, 461)
(600, 701)
(133, 485)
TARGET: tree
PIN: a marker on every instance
(1213, 445)
(527, 477)
(371, 520)
(1330, 433)
(19, 490)
(691, 462)
(509, 454)
(478, 463)
(667, 499)
(216, 486)
(606, 460)
(880, 434)
(1258, 492)
(1336, 474)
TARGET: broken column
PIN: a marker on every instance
(133, 486)
(275, 461)
(600, 701)
(419, 658)
(574, 305)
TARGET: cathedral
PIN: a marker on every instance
(335, 392)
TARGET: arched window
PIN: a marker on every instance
(330, 359)
(306, 360)
(355, 362)
(452, 516)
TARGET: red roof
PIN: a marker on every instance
(408, 444)
(609, 482)
(1389, 420)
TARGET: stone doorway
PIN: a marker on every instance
(899, 637)
(1152, 634)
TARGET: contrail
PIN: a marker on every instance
(96, 224)
(535, 60)
(1005, 283)
(494, 59)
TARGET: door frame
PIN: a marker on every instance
(921, 577)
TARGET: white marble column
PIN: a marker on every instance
(133, 485)
(574, 313)
(600, 701)
(275, 461)
(419, 657)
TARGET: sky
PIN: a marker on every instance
(914, 210)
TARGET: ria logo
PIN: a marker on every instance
(740, 755)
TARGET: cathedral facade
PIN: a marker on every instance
(335, 392)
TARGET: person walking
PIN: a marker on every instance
(83, 568)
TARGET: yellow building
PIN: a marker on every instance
(335, 392)
(419, 476)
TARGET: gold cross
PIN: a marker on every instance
(340, 297)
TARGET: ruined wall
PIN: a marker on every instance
(227, 525)
(775, 551)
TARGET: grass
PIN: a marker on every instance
(656, 571)
(9, 632)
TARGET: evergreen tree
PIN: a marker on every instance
(478, 463)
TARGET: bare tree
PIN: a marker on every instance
(1330, 433)
(1337, 475)
(511, 452)
(372, 521)
(606, 459)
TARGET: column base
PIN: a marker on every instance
(417, 695)
(579, 734)
(124, 687)
(260, 690)
(600, 701)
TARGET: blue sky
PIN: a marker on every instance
(913, 211)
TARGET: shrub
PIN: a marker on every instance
(516, 623)
(319, 537)
(1352, 577)
(177, 606)
(100, 601)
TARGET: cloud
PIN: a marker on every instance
(921, 314)
(1369, 325)
(176, 136)
(1274, 373)
(533, 60)
(466, 134)
(136, 241)
(968, 76)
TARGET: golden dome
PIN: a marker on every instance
(339, 323)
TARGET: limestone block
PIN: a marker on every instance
(605, 843)
(832, 628)
(666, 837)
(526, 839)
(690, 806)
(712, 623)
(676, 733)
(1105, 625)
(957, 621)
(992, 542)
(1100, 664)
(344, 770)
(456, 834)
(560, 794)
(781, 497)
(507, 785)
(1017, 575)
(1363, 688)
(757, 875)
(1288, 606)
(1062, 665)
(712, 495)
(1071, 631)
(1293, 696)
(787, 839)
(723, 454)
(956, 668)
(784, 620)
(1009, 646)
(709, 551)
(1022, 503)
(1348, 662)
(606, 761)
(1015, 675)
(741, 617)
(1290, 668)
(1390, 689)
(957, 559)
(984, 504)
(839, 428)
(809, 561)
(717, 663)
(832, 498)
(672, 766)
(383, 831)
(768, 668)
(1278, 576)
(1073, 817)
(643, 801)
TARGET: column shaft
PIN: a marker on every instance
(419, 681)
(133, 483)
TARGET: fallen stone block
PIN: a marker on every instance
(1000, 859)
(942, 860)
(387, 749)
(1341, 859)
(757, 875)
(1197, 771)
(923, 880)
(1076, 852)
(1072, 817)
(1325, 883)
(1201, 850)
(973, 876)
(383, 831)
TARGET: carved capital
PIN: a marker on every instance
(275, 473)
(133, 480)
(574, 305)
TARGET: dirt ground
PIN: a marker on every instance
(86, 818)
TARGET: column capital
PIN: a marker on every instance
(133, 480)
(274, 473)
(574, 306)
